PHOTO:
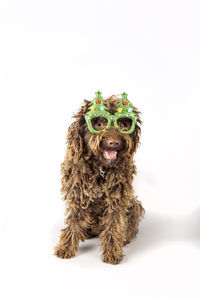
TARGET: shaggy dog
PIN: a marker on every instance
(97, 175)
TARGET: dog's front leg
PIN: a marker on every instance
(113, 235)
(77, 225)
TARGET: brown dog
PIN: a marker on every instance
(97, 176)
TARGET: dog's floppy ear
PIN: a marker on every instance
(75, 148)
(75, 135)
(137, 132)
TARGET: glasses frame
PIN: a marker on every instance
(111, 119)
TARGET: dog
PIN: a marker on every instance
(97, 175)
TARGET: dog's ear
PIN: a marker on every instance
(137, 132)
(75, 148)
(75, 135)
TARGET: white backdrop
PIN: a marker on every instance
(53, 54)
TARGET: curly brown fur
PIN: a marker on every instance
(99, 193)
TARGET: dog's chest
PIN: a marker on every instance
(97, 192)
(97, 205)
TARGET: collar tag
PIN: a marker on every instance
(101, 171)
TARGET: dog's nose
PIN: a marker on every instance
(113, 142)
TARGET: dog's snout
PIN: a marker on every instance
(113, 142)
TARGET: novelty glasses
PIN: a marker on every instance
(98, 117)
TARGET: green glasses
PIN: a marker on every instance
(98, 117)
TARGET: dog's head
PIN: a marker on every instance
(108, 136)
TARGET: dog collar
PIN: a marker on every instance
(98, 108)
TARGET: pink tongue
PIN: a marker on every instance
(110, 154)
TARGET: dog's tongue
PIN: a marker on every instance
(110, 154)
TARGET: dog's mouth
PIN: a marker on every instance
(109, 154)
(111, 148)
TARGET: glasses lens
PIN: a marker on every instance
(124, 124)
(99, 123)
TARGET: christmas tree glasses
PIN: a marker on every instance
(125, 112)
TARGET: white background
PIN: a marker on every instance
(53, 54)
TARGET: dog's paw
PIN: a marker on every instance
(64, 252)
(112, 259)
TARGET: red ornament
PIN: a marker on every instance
(125, 102)
(98, 101)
